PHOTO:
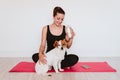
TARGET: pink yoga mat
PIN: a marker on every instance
(93, 67)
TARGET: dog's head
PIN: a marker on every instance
(61, 44)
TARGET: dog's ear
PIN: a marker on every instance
(55, 44)
(64, 42)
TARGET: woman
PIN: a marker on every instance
(53, 32)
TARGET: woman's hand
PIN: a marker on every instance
(42, 58)
(72, 35)
(69, 40)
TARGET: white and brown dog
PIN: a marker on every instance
(53, 57)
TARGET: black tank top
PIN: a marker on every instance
(52, 38)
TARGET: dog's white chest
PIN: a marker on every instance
(54, 55)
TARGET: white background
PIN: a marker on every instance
(95, 22)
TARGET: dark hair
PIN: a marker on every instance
(58, 9)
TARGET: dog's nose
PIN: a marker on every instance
(61, 48)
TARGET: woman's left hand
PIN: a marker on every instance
(72, 34)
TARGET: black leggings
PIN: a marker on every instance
(70, 60)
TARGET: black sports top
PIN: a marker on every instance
(52, 38)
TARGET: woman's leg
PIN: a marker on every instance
(35, 57)
(70, 60)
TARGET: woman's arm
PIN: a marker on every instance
(42, 45)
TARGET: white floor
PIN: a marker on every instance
(7, 63)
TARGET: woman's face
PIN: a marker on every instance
(58, 19)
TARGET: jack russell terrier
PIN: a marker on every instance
(53, 57)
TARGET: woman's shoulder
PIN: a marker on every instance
(45, 27)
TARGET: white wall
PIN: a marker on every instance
(96, 24)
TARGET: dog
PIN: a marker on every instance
(53, 57)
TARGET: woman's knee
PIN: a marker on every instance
(70, 60)
(35, 57)
(73, 56)
(76, 58)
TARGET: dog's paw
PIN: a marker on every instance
(61, 69)
(50, 67)
(57, 71)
